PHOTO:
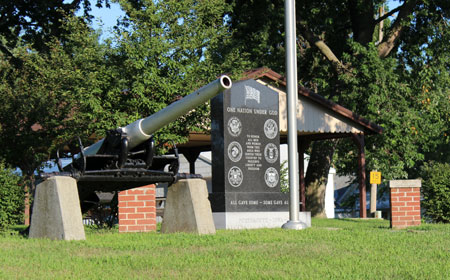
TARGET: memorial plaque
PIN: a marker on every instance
(245, 150)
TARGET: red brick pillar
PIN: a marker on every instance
(137, 209)
(405, 203)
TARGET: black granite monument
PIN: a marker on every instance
(245, 150)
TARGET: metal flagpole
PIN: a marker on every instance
(292, 98)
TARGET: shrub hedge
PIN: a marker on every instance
(11, 197)
(436, 191)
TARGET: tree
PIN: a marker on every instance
(36, 23)
(163, 48)
(73, 85)
(399, 80)
(54, 77)
(38, 73)
(52, 97)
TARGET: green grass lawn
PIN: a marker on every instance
(331, 249)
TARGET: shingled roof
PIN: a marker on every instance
(274, 79)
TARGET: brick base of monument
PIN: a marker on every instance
(405, 203)
(137, 209)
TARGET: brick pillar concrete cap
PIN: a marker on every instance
(417, 183)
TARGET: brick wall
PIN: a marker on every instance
(137, 209)
(405, 203)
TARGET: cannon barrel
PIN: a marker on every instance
(141, 130)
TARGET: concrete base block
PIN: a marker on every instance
(56, 210)
(187, 208)
(249, 220)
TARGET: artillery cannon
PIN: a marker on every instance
(126, 158)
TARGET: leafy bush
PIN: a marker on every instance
(11, 197)
(284, 177)
(436, 191)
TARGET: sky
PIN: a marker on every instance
(106, 18)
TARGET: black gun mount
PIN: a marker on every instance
(116, 167)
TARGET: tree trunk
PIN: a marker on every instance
(26, 215)
(317, 176)
(29, 188)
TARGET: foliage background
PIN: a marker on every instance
(12, 196)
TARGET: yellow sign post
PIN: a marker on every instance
(375, 177)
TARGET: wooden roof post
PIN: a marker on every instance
(303, 144)
(359, 141)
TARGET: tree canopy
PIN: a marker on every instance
(163, 48)
(37, 22)
(51, 97)
(70, 84)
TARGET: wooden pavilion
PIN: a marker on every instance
(317, 119)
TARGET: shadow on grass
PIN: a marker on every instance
(15, 230)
